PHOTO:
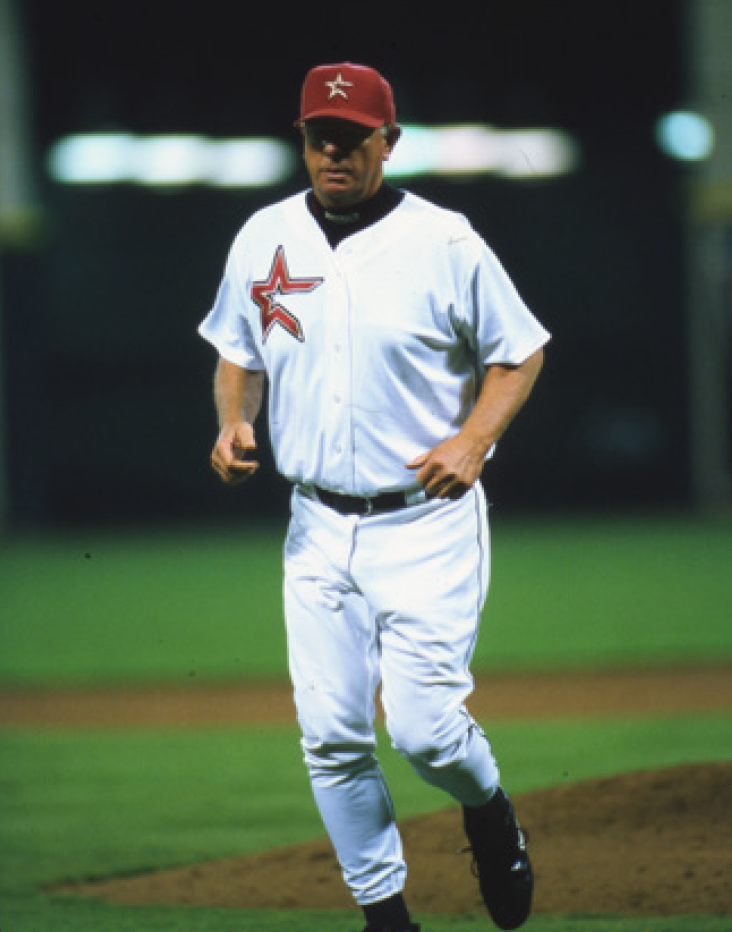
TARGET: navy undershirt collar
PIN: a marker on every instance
(338, 224)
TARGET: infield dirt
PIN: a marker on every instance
(657, 842)
(651, 843)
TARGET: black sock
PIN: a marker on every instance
(391, 914)
(491, 813)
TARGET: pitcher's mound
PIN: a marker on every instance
(657, 842)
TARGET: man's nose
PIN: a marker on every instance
(332, 149)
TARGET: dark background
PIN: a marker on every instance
(108, 386)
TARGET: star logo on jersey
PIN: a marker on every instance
(336, 87)
(267, 295)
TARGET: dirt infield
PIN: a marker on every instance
(500, 696)
(653, 843)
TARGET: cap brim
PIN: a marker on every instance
(350, 116)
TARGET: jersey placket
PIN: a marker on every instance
(338, 362)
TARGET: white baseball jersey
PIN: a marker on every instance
(375, 349)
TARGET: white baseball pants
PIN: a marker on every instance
(393, 599)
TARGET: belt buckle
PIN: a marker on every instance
(369, 506)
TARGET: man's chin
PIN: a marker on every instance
(338, 194)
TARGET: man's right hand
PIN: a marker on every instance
(232, 456)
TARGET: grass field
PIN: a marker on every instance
(102, 607)
(177, 605)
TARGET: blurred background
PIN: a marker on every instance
(589, 143)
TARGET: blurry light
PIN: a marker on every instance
(685, 135)
(96, 159)
(415, 153)
(476, 149)
(170, 161)
(163, 161)
(244, 163)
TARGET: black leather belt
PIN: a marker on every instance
(355, 505)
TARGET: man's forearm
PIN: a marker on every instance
(237, 393)
(453, 466)
(502, 396)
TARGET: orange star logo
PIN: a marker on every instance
(267, 294)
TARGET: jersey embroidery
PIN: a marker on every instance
(267, 294)
(336, 87)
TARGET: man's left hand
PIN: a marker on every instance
(449, 469)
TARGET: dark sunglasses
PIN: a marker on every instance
(344, 135)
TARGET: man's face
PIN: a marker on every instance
(345, 161)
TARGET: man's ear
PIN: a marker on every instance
(392, 137)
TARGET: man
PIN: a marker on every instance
(396, 352)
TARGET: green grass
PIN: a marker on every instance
(100, 804)
(618, 592)
(50, 917)
(164, 606)
(91, 803)
(161, 606)
(103, 607)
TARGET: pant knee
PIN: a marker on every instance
(332, 736)
(336, 761)
(461, 764)
(424, 742)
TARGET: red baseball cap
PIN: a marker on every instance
(347, 92)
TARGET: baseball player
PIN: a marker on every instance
(396, 351)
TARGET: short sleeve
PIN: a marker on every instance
(227, 325)
(503, 329)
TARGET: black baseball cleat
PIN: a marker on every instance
(500, 860)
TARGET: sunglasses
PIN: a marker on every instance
(343, 135)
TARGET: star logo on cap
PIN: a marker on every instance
(267, 294)
(336, 87)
